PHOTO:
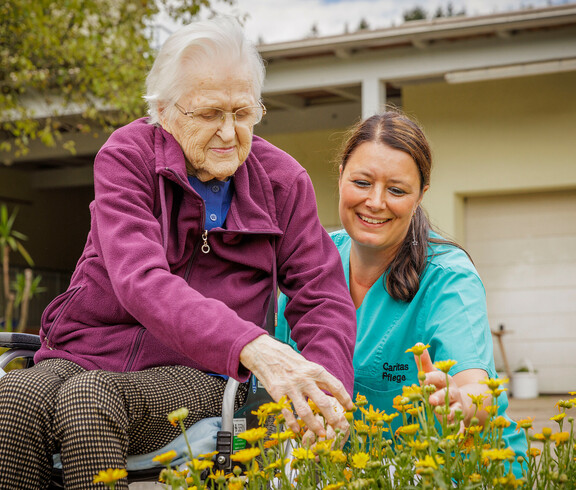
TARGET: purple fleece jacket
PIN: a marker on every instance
(144, 294)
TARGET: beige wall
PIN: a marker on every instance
(495, 137)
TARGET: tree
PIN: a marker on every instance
(363, 25)
(86, 55)
(417, 13)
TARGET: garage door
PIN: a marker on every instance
(524, 247)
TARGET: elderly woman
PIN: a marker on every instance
(408, 283)
(195, 220)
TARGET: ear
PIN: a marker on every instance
(340, 168)
(164, 119)
(424, 190)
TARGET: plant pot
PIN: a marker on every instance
(525, 385)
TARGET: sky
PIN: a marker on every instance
(272, 21)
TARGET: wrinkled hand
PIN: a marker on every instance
(437, 378)
(310, 439)
(283, 371)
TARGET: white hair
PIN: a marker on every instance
(192, 46)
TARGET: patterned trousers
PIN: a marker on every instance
(93, 418)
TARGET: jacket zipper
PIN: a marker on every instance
(205, 246)
(135, 349)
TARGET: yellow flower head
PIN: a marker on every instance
(419, 445)
(429, 462)
(500, 422)
(176, 415)
(313, 406)
(498, 454)
(283, 436)
(361, 427)
(165, 457)
(494, 383)
(492, 410)
(418, 349)
(208, 455)
(361, 400)
(415, 411)
(401, 403)
(525, 423)
(559, 417)
(477, 400)
(245, 455)
(201, 464)
(219, 477)
(254, 435)
(444, 366)
(408, 430)
(359, 460)
(323, 447)
(301, 453)
(110, 475)
(413, 392)
(271, 408)
(235, 485)
(389, 418)
(334, 486)
(560, 437)
(337, 456)
(534, 452)
(372, 415)
(279, 463)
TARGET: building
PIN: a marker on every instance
(496, 95)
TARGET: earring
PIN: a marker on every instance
(414, 241)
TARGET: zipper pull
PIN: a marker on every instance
(205, 246)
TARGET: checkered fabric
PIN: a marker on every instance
(93, 418)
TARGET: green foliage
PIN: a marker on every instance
(89, 56)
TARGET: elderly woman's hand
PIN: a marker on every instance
(283, 371)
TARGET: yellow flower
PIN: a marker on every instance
(418, 445)
(372, 415)
(201, 464)
(361, 400)
(270, 443)
(559, 417)
(525, 423)
(508, 481)
(429, 462)
(475, 478)
(283, 436)
(219, 477)
(347, 474)
(361, 427)
(110, 475)
(409, 429)
(165, 457)
(313, 406)
(271, 408)
(413, 392)
(301, 453)
(279, 463)
(176, 415)
(389, 418)
(245, 455)
(534, 452)
(252, 436)
(500, 422)
(334, 486)
(402, 404)
(560, 437)
(475, 429)
(415, 411)
(444, 366)
(359, 460)
(477, 400)
(337, 456)
(418, 349)
(498, 454)
(236, 485)
(208, 455)
(323, 447)
(494, 383)
(492, 410)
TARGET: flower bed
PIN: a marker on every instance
(421, 453)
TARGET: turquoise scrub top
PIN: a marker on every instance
(448, 313)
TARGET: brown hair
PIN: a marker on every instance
(396, 130)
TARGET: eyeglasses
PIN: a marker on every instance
(212, 116)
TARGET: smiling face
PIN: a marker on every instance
(379, 192)
(214, 151)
